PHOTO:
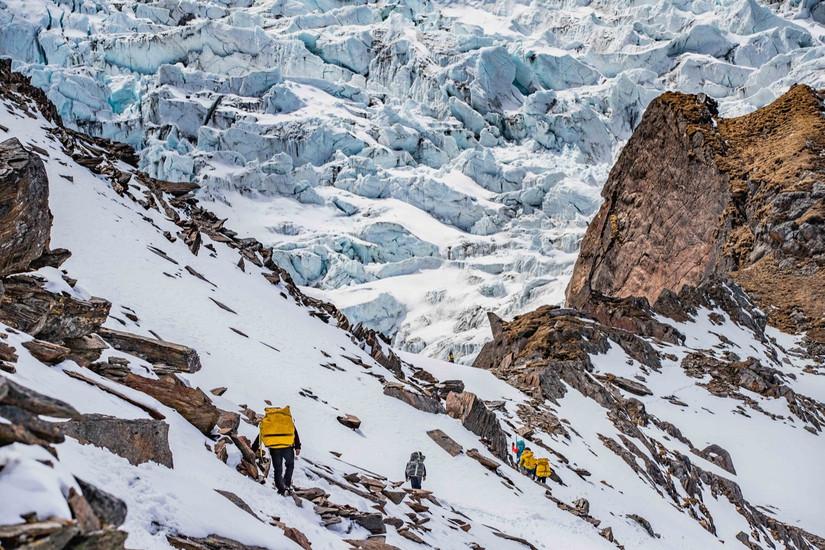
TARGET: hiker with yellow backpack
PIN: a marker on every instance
(543, 470)
(278, 434)
(527, 462)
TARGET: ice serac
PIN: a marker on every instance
(695, 198)
(25, 220)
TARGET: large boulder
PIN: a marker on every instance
(137, 441)
(476, 417)
(25, 220)
(695, 198)
(420, 401)
(166, 356)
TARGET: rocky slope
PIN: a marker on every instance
(695, 198)
(418, 162)
(113, 437)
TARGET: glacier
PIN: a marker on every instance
(417, 162)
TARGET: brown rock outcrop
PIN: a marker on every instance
(476, 417)
(693, 198)
(166, 356)
(192, 403)
(29, 307)
(25, 220)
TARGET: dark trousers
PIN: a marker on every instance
(543, 480)
(283, 476)
(415, 482)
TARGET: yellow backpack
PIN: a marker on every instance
(277, 428)
(543, 467)
(527, 460)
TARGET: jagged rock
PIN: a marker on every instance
(374, 523)
(645, 525)
(51, 258)
(421, 402)
(191, 403)
(104, 539)
(82, 512)
(237, 501)
(25, 220)
(227, 421)
(445, 442)
(396, 497)
(13, 394)
(297, 537)
(211, 542)
(631, 386)
(86, 349)
(109, 509)
(49, 534)
(29, 307)
(219, 391)
(719, 456)
(350, 421)
(25, 427)
(176, 357)
(445, 387)
(137, 441)
(766, 237)
(582, 506)
(7, 353)
(46, 351)
(409, 535)
(488, 463)
(371, 544)
(475, 416)
(545, 351)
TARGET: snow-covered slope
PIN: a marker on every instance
(421, 162)
(643, 481)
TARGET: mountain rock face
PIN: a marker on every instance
(25, 220)
(694, 197)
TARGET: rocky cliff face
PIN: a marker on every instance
(694, 197)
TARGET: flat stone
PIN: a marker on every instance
(446, 442)
(177, 357)
(419, 401)
(46, 351)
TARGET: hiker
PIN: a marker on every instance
(543, 470)
(278, 434)
(528, 463)
(518, 448)
(415, 471)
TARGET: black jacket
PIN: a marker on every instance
(296, 445)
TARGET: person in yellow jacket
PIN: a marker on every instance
(528, 463)
(543, 470)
